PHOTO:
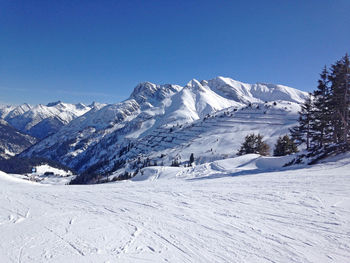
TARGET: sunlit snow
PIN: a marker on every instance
(245, 209)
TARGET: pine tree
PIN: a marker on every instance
(297, 133)
(191, 161)
(321, 125)
(285, 146)
(340, 99)
(302, 132)
(324, 118)
(175, 163)
(254, 144)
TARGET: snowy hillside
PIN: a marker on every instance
(214, 137)
(242, 165)
(42, 120)
(153, 112)
(232, 210)
(12, 141)
(244, 92)
(219, 135)
(46, 174)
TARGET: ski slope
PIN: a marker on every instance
(245, 209)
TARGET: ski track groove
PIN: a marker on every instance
(74, 247)
(278, 217)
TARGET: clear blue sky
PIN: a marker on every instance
(99, 50)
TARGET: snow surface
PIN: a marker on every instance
(41, 169)
(233, 210)
(60, 177)
(245, 164)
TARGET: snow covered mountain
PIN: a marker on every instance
(163, 119)
(41, 120)
(243, 92)
(12, 141)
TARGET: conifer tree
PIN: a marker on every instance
(324, 119)
(285, 146)
(254, 144)
(191, 161)
(175, 163)
(340, 99)
(321, 125)
(302, 132)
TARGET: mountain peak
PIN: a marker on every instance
(51, 104)
(193, 83)
(152, 93)
(196, 85)
(243, 92)
(144, 89)
(80, 106)
(151, 108)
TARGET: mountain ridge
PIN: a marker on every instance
(100, 135)
(30, 119)
(12, 141)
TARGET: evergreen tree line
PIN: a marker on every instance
(255, 144)
(324, 117)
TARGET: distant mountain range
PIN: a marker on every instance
(170, 121)
(42, 120)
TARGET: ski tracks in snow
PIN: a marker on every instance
(290, 216)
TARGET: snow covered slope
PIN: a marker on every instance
(244, 92)
(42, 120)
(295, 215)
(241, 165)
(99, 137)
(12, 141)
(10, 111)
(46, 174)
(216, 136)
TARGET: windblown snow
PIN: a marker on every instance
(244, 209)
